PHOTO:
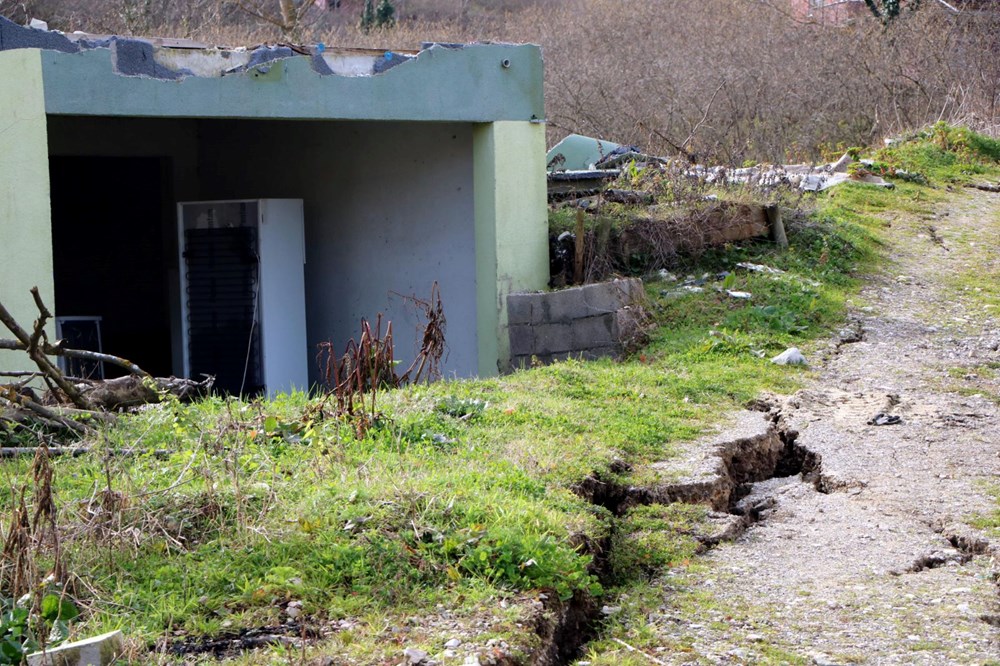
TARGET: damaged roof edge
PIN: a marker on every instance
(178, 78)
(171, 60)
(479, 83)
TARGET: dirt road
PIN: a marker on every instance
(879, 566)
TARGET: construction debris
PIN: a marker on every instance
(71, 404)
(580, 163)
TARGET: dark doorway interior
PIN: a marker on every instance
(110, 234)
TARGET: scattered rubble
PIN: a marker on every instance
(587, 162)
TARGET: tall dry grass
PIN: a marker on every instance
(715, 80)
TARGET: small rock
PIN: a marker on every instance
(756, 638)
(453, 643)
(608, 611)
(820, 659)
(414, 657)
(791, 356)
(666, 275)
(740, 295)
(472, 660)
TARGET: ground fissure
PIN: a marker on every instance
(860, 494)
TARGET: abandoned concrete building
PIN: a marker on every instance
(171, 192)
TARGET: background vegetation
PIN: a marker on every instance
(724, 80)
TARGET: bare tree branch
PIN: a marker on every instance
(37, 355)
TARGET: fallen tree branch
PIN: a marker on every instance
(15, 451)
(76, 451)
(132, 390)
(84, 354)
(48, 414)
(37, 355)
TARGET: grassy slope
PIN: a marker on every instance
(462, 494)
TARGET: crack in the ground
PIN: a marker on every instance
(738, 492)
(741, 481)
(938, 558)
(965, 545)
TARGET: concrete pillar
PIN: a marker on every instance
(511, 228)
(25, 214)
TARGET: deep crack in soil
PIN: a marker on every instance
(881, 565)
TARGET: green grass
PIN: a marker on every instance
(461, 495)
(989, 522)
(945, 153)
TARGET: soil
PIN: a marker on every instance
(870, 559)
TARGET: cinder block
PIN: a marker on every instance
(607, 296)
(566, 305)
(632, 288)
(553, 338)
(522, 340)
(596, 331)
(519, 307)
(97, 651)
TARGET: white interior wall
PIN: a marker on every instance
(388, 209)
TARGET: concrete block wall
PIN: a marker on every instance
(580, 322)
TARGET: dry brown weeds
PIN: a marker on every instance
(721, 80)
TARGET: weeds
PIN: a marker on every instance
(369, 366)
(34, 609)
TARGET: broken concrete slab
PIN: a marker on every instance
(710, 469)
(100, 650)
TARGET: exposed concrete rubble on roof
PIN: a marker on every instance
(14, 36)
(171, 60)
(132, 57)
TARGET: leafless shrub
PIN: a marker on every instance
(721, 81)
(17, 565)
(634, 323)
(368, 365)
(426, 366)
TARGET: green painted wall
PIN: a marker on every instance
(469, 84)
(25, 233)
(511, 228)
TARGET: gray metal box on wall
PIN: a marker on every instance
(243, 294)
